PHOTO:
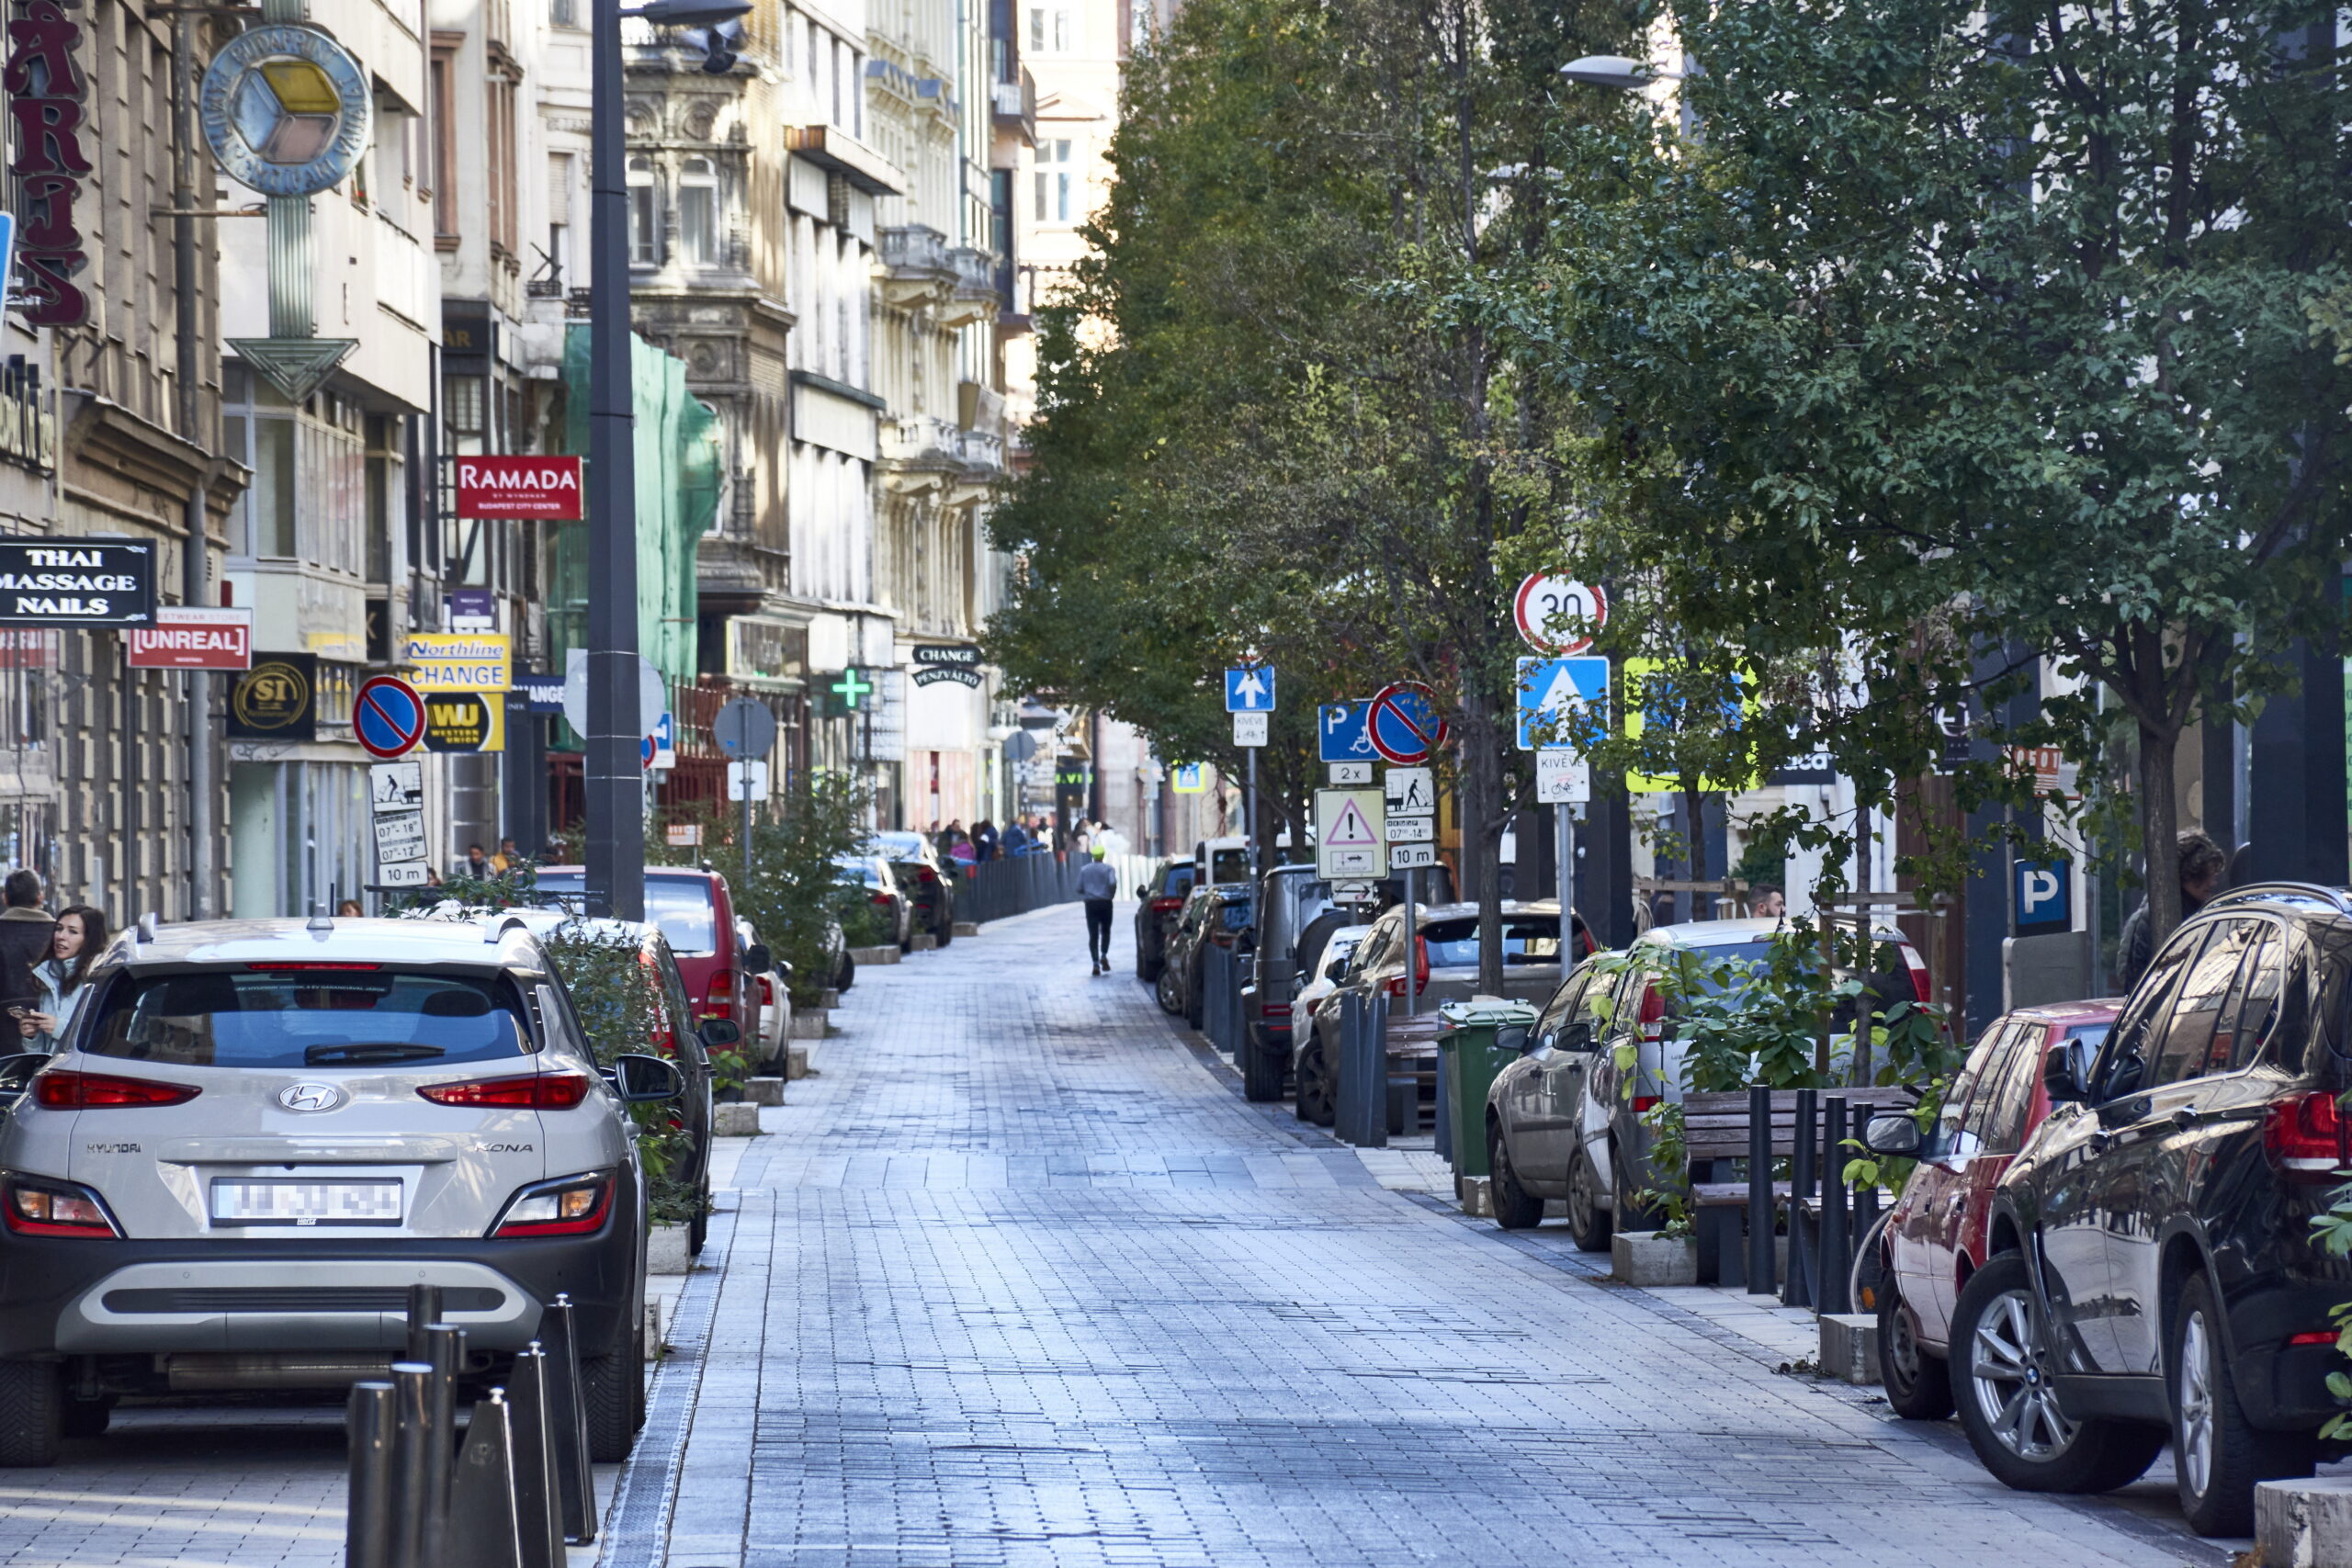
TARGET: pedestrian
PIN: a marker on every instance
(26, 930)
(1015, 840)
(508, 859)
(962, 851)
(77, 938)
(350, 908)
(1098, 884)
(476, 863)
(983, 841)
(2199, 865)
(1765, 902)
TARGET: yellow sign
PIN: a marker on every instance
(463, 721)
(458, 662)
(1649, 693)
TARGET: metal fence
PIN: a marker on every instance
(1018, 883)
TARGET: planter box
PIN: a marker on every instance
(795, 1062)
(1645, 1257)
(968, 928)
(808, 1023)
(925, 942)
(868, 957)
(1478, 1195)
(1849, 1347)
(666, 1250)
(827, 998)
(738, 1121)
(763, 1092)
(2304, 1524)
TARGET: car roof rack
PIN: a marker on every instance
(2339, 897)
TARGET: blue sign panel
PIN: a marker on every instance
(1340, 728)
(2044, 897)
(1551, 690)
(1249, 689)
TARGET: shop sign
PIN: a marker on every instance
(464, 721)
(458, 662)
(286, 108)
(27, 648)
(936, 662)
(47, 91)
(69, 582)
(194, 638)
(546, 488)
(534, 693)
(276, 699)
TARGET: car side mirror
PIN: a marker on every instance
(2061, 1078)
(757, 958)
(1893, 1133)
(1575, 1035)
(1142, 892)
(17, 1071)
(646, 1080)
(719, 1032)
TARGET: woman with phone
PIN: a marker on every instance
(80, 937)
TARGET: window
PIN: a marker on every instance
(563, 13)
(505, 202)
(1054, 178)
(212, 1018)
(698, 211)
(559, 215)
(1049, 30)
(2253, 1008)
(2192, 1045)
(644, 220)
(2002, 1104)
(445, 138)
(2120, 1065)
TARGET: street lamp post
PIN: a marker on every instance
(614, 774)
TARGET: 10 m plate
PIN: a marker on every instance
(306, 1202)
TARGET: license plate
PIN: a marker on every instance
(306, 1202)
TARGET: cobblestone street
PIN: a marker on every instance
(1021, 1278)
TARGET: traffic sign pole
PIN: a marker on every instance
(1566, 823)
(1256, 860)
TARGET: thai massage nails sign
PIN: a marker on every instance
(286, 108)
(63, 581)
(46, 93)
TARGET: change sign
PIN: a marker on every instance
(76, 582)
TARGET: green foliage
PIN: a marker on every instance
(2332, 1233)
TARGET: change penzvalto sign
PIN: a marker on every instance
(540, 488)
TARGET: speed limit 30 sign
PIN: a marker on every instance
(1541, 602)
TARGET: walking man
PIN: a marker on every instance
(1098, 884)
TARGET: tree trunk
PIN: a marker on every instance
(2159, 832)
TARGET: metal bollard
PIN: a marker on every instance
(416, 1538)
(368, 1422)
(1836, 1243)
(423, 1310)
(1759, 1192)
(1372, 1066)
(575, 1483)
(485, 1530)
(537, 1500)
(445, 1352)
(1799, 1288)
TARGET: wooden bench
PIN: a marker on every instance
(1716, 1133)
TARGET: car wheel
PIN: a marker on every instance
(1516, 1208)
(847, 975)
(1869, 1277)
(612, 1390)
(1917, 1384)
(1315, 1088)
(2217, 1455)
(1587, 1221)
(1164, 988)
(32, 1412)
(2008, 1407)
(945, 931)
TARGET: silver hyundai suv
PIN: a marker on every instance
(258, 1133)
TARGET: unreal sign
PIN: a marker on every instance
(545, 489)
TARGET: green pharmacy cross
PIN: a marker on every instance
(852, 688)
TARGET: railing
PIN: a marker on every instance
(1015, 885)
(1015, 103)
(915, 251)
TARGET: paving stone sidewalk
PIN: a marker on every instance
(1021, 1278)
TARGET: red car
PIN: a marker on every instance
(697, 919)
(1934, 1237)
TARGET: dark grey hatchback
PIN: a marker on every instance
(2152, 1274)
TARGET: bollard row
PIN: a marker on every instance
(515, 1490)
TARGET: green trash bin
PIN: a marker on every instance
(1476, 1040)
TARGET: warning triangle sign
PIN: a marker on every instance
(1351, 832)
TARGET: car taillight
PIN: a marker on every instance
(660, 1036)
(531, 1091)
(721, 1002)
(767, 992)
(1918, 967)
(55, 1208)
(1166, 906)
(2314, 1336)
(2305, 1136)
(1420, 970)
(883, 899)
(573, 1205)
(1276, 1009)
(91, 1091)
(1652, 1014)
(927, 876)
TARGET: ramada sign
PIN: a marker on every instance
(538, 488)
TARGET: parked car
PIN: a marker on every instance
(873, 873)
(775, 985)
(2152, 1275)
(1444, 967)
(1158, 903)
(915, 867)
(1310, 1075)
(1560, 1121)
(697, 915)
(1213, 915)
(351, 1107)
(1291, 898)
(1223, 860)
(1935, 1236)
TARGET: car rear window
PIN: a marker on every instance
(310, 1017)
(1175, 881)
(681, 906)
(1454, 944)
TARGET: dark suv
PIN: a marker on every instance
(2152, 1274)
(1160, 901)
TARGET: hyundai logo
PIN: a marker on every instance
(310, 1096)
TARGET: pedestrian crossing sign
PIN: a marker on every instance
(1349, 834)
(1186, 778)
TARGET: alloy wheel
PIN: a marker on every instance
(2196, 1405)
(1583, 1201)
(2009, 1379)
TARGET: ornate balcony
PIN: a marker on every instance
(918, 268)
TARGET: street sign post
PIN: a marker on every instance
(1249, 689)
(1412, 857)
(1187, 778)
(745, 731)
(1542, 601)
(1339, 732)
(1552, 692)
(1412, 830)
(1344, 773)
(1250, 730)
(1249, 697)
(1411, 792)
(1403, 723)
(1562, 777)
(387, 716)
(1348, 843)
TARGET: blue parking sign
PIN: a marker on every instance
(1340, 728)
(2044, 892)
